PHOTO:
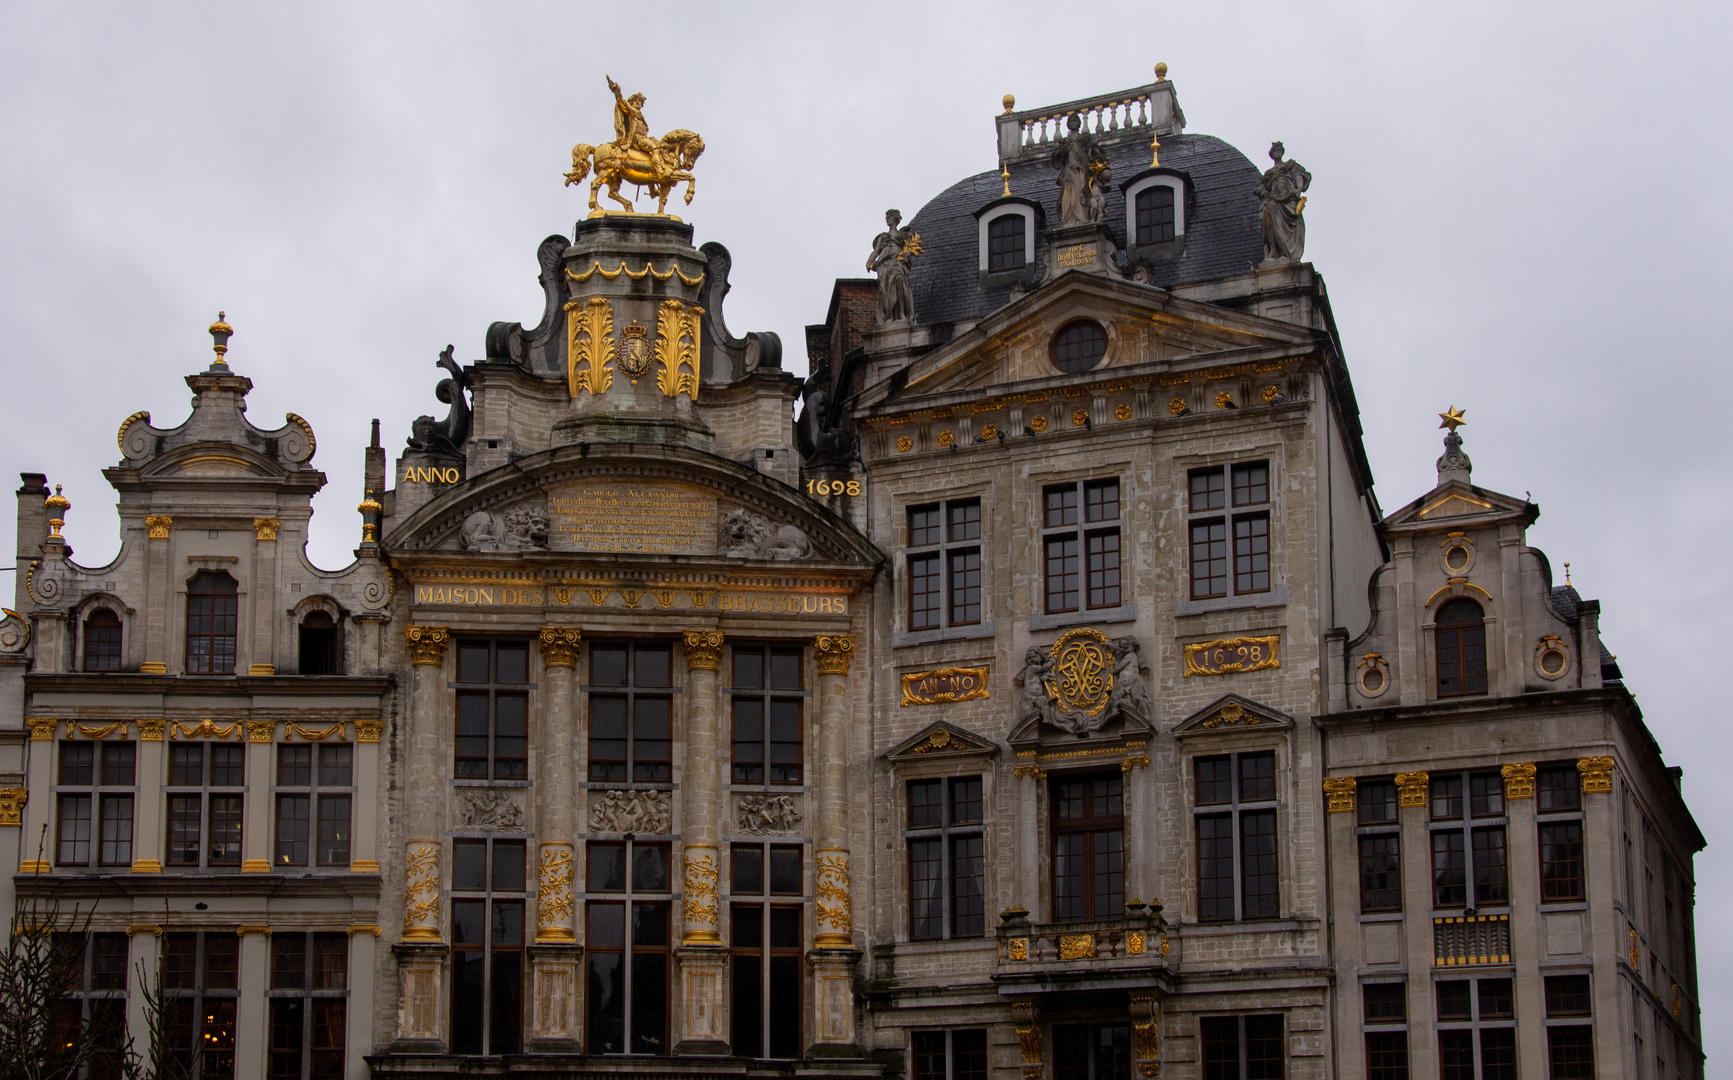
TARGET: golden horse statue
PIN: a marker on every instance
(659, 172)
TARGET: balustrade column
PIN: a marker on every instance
(422, 827)
(834, 956)
(701, 957)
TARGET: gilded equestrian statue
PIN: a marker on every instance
(634, 157)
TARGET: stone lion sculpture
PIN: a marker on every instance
(746, 535)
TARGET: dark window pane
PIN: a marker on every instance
(965, 586)
(785, 765)
(748, 669)
(289, 962)
(1491, 883)
(512, 663)
(116, 849)
(649, 1003)
(1061, 506)
(1062, 572)
(607, 1003)
(472, 662)
(1257, 776)
(294, 766)
(1561, 861)
(785, 669)
(746, 871)
(1252, 554)
(74, 846)
(1571, 1053)
(108, 965)
(102, 641)
(508, 866)
(1449, 870)
(926, 889)
(652, 748)
(1209, 559)
(180, 960)
(510, 737)
(77, 763)
(469, 864)
(608, 738)
(748, 740)
(1005, 244)
(1486, 795)
(924, 525)
(926, 808)
(1101, 501)
(607, 869)
(222, 961)
(288, 1025)
(649, 868)
(1454, 1000)
(293, 829)
(1567, 995)
(185, 815)
(333, 830)
(963, 520)
(1070, 877)
(929, 1048)
(654, 665)
(785, 870)
(1208, 490)
(330, 961)
(1496, 1000)
(925, 592)
(228, 766)
(187, 765)
(1079, 347)
(1251, 484)
(966, 800)
(969, 1054)
(1264, 1057)
(1380, 873)
(1258, 875)
(784, 1006)
(1556, 789)
(1386, 1003)
(1215, 872)
(1103, 554)
(1155, 219)
(223, 848)
(1107, 887)
(1377, 802)
(1446, 798)
(1498, 1054)
(747, 999)
(1460, 635)
(608, 665)
(507, 924)
(1386, 1055)
(117, 764)
(1214, 780)
(1456, 1055)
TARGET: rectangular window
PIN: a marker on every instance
(1476, 1030)
(628, 939)
(95, 803)
(1381, 873)
(313, 804)
(102, 641)
(765, 941)
(945, 579)
(1571, 1052)
(1216, 500)
(631, 709)
(204, 804)
(1387, 1055)
(492, 710)
(1092, 1051)
(1005, 244)
(1155, 219)
(1242, 1047)
(489, 895)
(200, 985)
(1468, 841)
(1082, 558)
(1558, 789)
(950, 1055)
(946, 859)
(96, 997)
(1238, 875)
(1088, 847)
(1561, 861)
(766, 701)
(212, 617)
(308, 1001)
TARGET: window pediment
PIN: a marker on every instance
(942, 739)
(1233, 714)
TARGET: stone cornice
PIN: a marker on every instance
(209, 685)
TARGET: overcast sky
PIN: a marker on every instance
(1521, 209)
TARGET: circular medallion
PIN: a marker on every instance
(1080, 417)
(1123, 412)
(904, 444)
(1176, 406)
(1038, 424)
(991, 431)
(947, 437)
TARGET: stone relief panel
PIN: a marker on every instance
(494, 811)
(523, 527)
(631, 812)
(746, 535)
(764, 815)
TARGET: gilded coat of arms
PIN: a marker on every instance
(634, 354)
(1084, 681)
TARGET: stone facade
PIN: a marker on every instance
(1053, 699)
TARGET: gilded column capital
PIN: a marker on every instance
(368, 730)
(703, 650)
(261, 730)
(560, 646)
(42, 730)
(1518, 780)
(835, 651)
(427, 644)
(265, 528)
(1339, 794)
(1597, 774)
(158, 525)
(12, 801)
(150, 730)
(1411, 788)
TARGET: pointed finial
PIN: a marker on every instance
(1005, 175)
(1161, 72)
(1010, 102)
(221, 332)
(1452, 419)
(58, 505)
(1567, 573)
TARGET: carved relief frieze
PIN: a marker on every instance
(523, 527)
(746, 535)
(765, 815)
(489, 810)
(646, 812)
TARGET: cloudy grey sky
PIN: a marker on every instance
(1521, 208)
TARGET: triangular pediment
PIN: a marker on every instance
(1455, 504)
(941, 739)
(1144, 325)
(1233, 713)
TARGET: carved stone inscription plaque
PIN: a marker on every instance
(637, 518)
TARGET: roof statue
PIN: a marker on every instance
(658, 165)
(893, 250)
(1282, 193)
(1083, 176)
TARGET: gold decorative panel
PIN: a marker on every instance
(945, 685)
(1232, 656)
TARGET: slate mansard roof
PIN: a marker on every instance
(1222, 233)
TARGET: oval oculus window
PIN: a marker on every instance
(1079, 346)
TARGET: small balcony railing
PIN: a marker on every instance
(1139, 937)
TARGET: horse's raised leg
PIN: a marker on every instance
(691, 185)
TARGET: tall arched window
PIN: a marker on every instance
(212, 607)
(102, 641)
(1460, 631)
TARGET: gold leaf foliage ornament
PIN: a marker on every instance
(590, 343)
(677, 330)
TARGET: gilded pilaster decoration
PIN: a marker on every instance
(1411, 788)
(677, 335)
(158, 525)
(1077, 946)
(835, 651)
(831, 888)
(150, 730)
(264, 730)
(1146, 1028)
(560, 646)
(265, 528)
(12, 801)
(589, 342)
(700, 899)
(42, 730)
(1339, 794)
(703, 649)
(1518, 780)
(554, 894)
(1028, 1037)
(427, 644)
(368, 730)
(1134, 761)
(1597, 774)
(421, 891)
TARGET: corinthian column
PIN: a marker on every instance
(700, 956)
(831, 879)
(554, 907)
(421, 826)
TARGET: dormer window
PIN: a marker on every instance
(1005, 243)
(1155, 214)
(1155, 208)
